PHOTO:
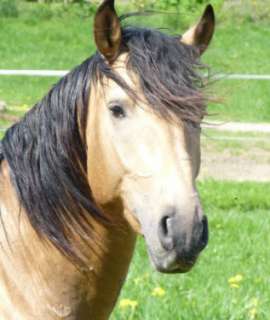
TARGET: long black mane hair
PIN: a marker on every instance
(46, 151)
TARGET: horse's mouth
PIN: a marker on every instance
(171, 264)
(180, 268)
(183, 268)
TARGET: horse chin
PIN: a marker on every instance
(183, 268)
(171, 264)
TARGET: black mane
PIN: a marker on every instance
(46, 150)
(1, 153)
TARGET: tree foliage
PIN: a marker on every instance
(8, 8)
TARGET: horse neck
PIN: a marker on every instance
(117, 250)
(37, 281)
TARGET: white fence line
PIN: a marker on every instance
(34, 73)
(242, 139)
(60, 73)
(237, 126)
(239, 76)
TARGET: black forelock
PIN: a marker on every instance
(168, 71)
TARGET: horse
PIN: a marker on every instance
(111, 152)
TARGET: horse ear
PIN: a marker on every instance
(201, 34)
(107, 31)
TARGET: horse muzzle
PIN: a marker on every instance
(180, 243)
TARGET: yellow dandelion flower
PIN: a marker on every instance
(237, 278)
(234, 282)
(144, 277)
(252, 313)
(128, 303)
(158, 292)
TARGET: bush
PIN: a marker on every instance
(36, 13)
(248, 11)
(8, 8)
(173, 14)
(170, 5)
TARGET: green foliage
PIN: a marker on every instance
(40, 12)
(176, 13)
(8, 9)
(33, 13)
(172, 5)
(177, 4)
(252, 11)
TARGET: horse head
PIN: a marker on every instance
(143, 134)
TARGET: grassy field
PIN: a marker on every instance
(238, 143)
(61, 42)
(230, 281)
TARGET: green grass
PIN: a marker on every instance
(49, 44)
(239, 236)
(63, 41)
(18, 91)
(237, 143)
(240, 48)
(241, 100)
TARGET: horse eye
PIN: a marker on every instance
(118, 111)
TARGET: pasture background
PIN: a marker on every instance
(231, 280)
(53, 36)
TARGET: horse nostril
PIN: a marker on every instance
(205, 234)
(166, 233)
(164, 225)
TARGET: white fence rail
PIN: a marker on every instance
(60, 73)
(243, 127)
(34, 73)
(237, 76)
